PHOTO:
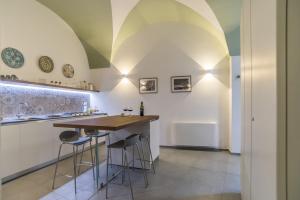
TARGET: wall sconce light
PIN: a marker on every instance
(125, 79)
(209, 71)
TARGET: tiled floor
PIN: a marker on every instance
(38, 184)
(181, 175)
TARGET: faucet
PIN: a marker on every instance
(19, 114)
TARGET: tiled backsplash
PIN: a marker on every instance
(39, 101)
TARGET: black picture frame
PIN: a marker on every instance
(148, 85)
(181, 84)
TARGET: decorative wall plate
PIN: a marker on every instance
(12, 57)
(46, 64)
(68, 70)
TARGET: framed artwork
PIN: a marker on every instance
(181, 84)
(148, 85)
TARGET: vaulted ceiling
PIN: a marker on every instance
(103, 25)
(228, 13)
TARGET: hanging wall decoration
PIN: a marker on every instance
(148, 85)
(46, 64)
(12, 57)
(68, 71)
(181, 84)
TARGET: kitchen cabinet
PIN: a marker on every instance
(36, 143)
(10, 150)
(30, 145)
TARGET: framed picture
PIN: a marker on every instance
(181, 84)
(148, 85)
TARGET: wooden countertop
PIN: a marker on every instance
(112, 123)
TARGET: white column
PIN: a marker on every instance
(235, 106)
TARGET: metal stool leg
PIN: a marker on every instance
(75, 163)
(56, 165)
(152, 161)
(97, 162)
(143, 168)
(132, 157)
(92, 158)
(128, 172)
(80, 161)
(109, 150)
(107, 159)
(143, 154)
(123, 173)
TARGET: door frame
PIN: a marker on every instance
(282, 99)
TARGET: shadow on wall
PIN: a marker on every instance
(206, 53)
(165, 50)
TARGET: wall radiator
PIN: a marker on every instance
(196, 134)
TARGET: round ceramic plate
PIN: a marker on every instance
(46, 64)
(68, 70)
(12, 57)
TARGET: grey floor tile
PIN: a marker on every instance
(180, 175)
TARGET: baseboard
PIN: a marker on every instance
(38, 167)
(198, 148)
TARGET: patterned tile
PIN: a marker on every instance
(35, 101)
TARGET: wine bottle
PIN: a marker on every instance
(142, 109)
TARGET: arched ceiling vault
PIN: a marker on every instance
(148, 12)
(228, 13)
(103, 25)
(91, 20)
(122, 8)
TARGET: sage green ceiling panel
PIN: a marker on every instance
(91, 20)
(228, 12)
(148, 12)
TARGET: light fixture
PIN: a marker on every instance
(44, 88)
(209, 71)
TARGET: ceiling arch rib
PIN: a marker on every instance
(148, 12)
(203, 9)
(120, 11)
(228, 14)
(102, 24)
(92, 22)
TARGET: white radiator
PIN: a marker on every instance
(195, 134)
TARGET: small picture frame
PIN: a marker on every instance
(148, 85)
(181, 84)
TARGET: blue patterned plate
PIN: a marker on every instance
(12, 57)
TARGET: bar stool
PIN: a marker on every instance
(131, 141)
(75, 139)
(145, 142)
(92, 133)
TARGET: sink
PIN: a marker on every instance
(36, 118)
(54, 116)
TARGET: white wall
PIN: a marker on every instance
(235, 106)
(37, 31)
(165, 50)
(259, 100)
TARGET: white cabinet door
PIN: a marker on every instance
(35, 144)
(44, 133)
(154, 138)
(10, 156)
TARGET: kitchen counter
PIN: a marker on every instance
(10, 121)
(112, 123)
(30, 145)
(120, 127)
